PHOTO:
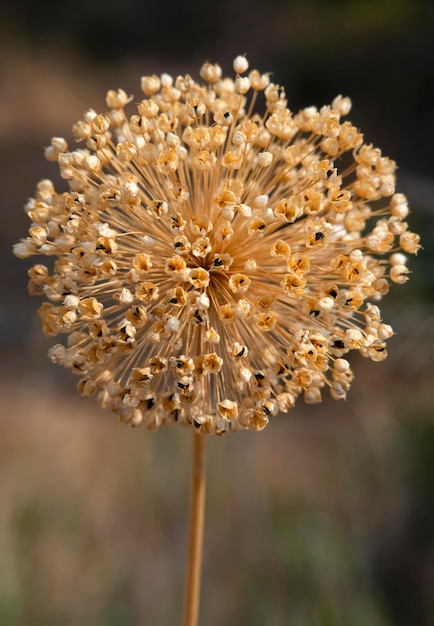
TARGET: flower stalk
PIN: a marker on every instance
(195, 533)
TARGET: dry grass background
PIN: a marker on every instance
(325, 518)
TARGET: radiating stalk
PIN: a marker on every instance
(195, 533)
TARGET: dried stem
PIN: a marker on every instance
(195, 533)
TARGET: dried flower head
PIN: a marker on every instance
(212, 264)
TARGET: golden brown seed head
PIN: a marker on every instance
(213, 264)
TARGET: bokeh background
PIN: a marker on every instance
(323, 519)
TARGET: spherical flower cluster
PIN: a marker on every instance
(212, 263)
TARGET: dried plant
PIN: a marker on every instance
(213, 263)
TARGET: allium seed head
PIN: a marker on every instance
(212, 264)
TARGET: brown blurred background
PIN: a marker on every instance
(326, 517)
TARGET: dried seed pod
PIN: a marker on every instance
(212, 265)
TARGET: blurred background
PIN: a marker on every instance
(325, 518)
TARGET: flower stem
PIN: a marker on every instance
(195, 533)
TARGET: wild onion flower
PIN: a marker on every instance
(213, 263)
